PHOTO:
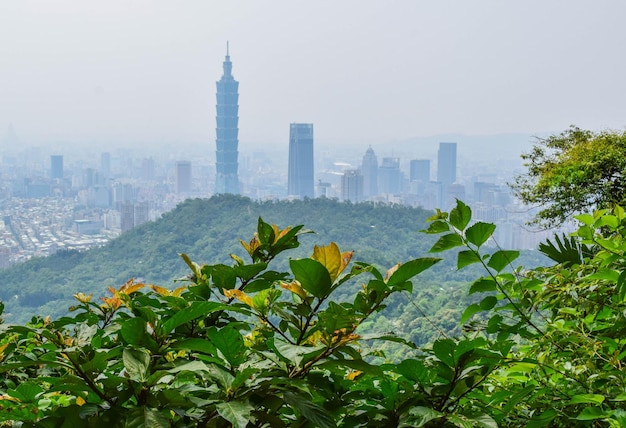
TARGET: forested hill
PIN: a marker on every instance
(208, 230)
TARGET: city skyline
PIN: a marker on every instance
(482, 68)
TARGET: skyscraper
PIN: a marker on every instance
(420, 170)
(300, 173)
(390, 176)
(183, 177)
(369, 169)
(446, 163)
(226, 180)
(56, 167)
(352, 185)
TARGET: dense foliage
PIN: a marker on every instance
(245, 345)
(573, 172)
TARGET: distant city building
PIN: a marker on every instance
(142, 213)
(300, 180)
(226, 179)
(369, 169)
(56, 167)
(420, 170)
(390, 176)
(183, 177)
(105, 165)
(352, 186)
(127, 216)
(147, 169)
(446, 163)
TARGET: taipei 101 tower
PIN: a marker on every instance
(226, 180)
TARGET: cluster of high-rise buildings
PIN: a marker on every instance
(123, 192)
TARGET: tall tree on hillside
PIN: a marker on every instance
(574, 171)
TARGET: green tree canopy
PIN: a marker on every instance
(575, 171)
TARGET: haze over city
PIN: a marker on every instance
(365, 72)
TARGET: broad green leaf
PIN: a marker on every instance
(483, 285)
(146, 417)
(586, 219)
(294, 353)
(605, 274)
(236, 412)
(230, 343)
(483, 421)
(25, 392)
(587, 399)
(223, 276)
(466, 257)
(246, 272)
(447, 242)
(469, 312)
(460, 215)
(437, 226)
(195, 345)
(408, 270)
(136, 363)
(318, 416)
(592, 413)
(135, 333)
(501, 259)
(444, 350)
(418, 417)
(488, 303)
(479, 233)
(313, 276)
(195, 310)
(460, 421)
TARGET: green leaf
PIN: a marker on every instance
(230, 343)
(408, 270)
(621, 286)
(134, 331)
(25, 392)
(136, 363)
(318, 416)
(479, 233)
(437, 226)
(587, 399)
(294, 353)
(195, 310)
(469, 311)
(418, 417)
(501, 259)
(223, 276)
(488, 303)
(466, 258)
(460, 215)
(483, 285)
(586, 219)
(247, 272)
(235, 412)
(447, 242)
(592, 413)
(444, 350)
(146, 417)
(312, 275)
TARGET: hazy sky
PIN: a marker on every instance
(363, 71)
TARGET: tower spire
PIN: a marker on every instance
(227, 54)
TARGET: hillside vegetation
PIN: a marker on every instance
(250, 344)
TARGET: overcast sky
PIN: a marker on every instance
(363, 71)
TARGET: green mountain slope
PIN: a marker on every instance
(208, 231)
